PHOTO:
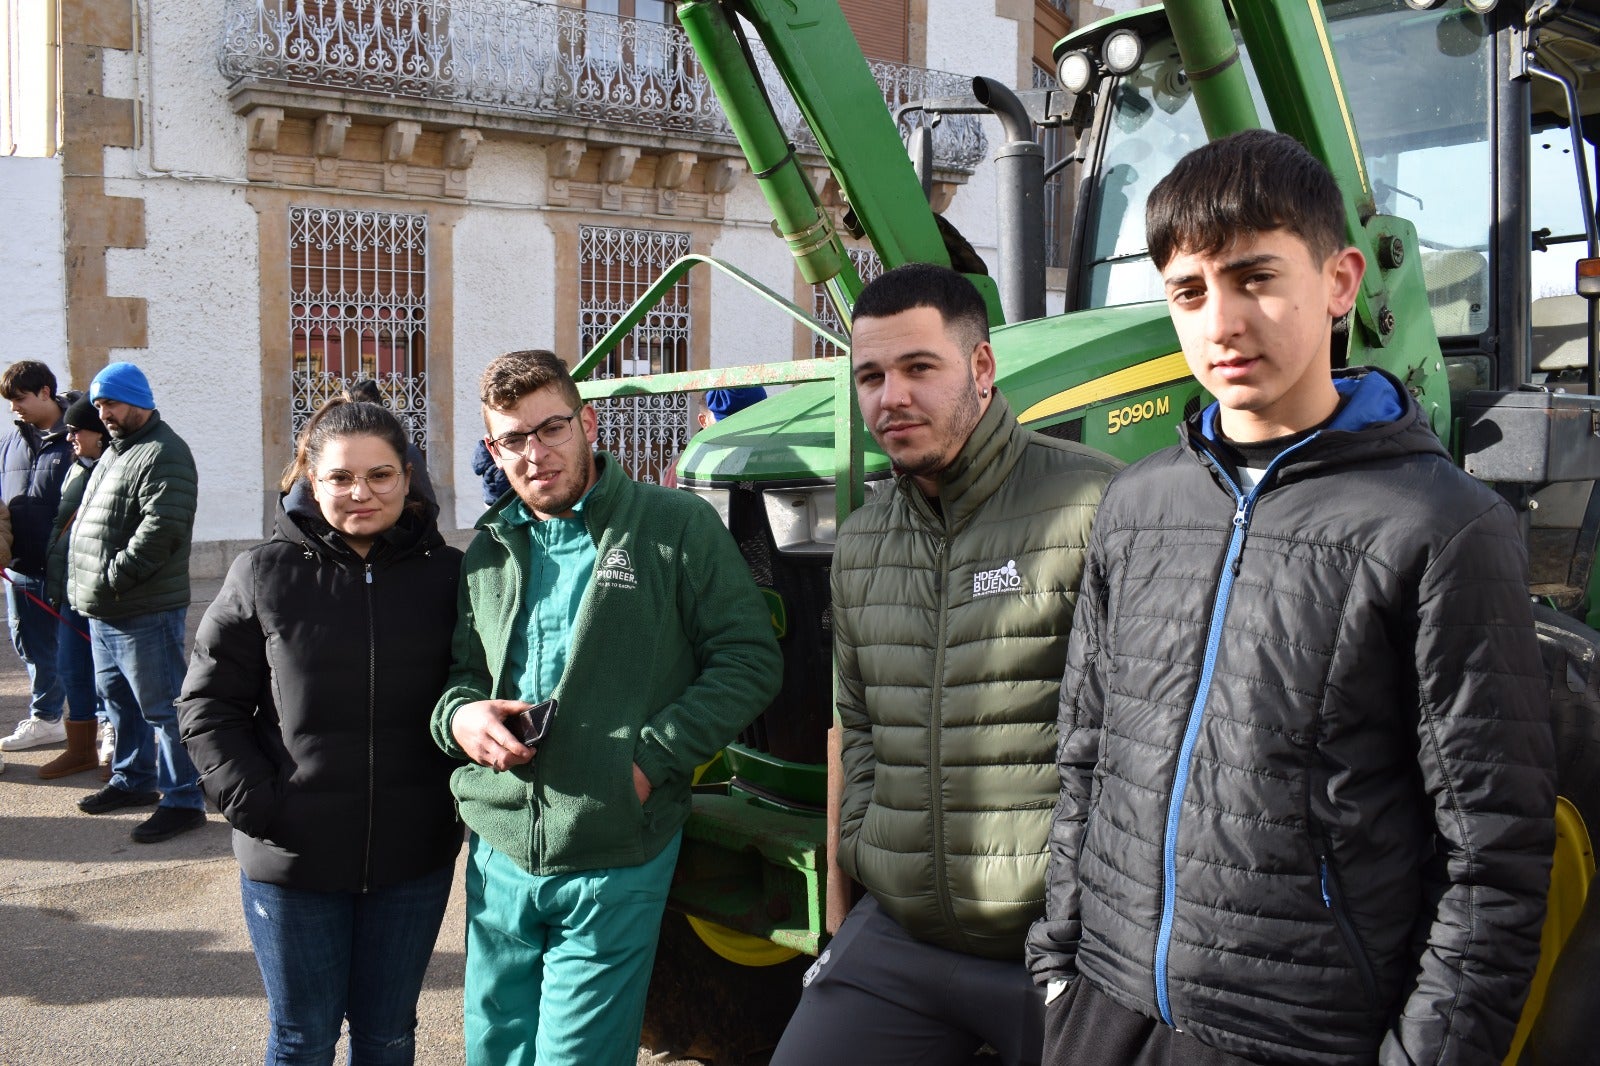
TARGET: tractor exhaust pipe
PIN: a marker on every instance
(1019, 169)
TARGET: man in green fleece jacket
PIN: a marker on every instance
(953, 596)
(629, 605)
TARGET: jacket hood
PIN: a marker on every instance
(1379, 419)
(299, 521)
(979, 467)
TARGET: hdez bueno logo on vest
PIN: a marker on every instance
(616, 570)
(1000, 579)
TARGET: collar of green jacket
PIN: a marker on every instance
(982, 465)
(597, 507)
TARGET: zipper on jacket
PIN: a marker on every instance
(1333, 899)
(1244, 507)
(941, 887)
(497, 691)
(372, 727)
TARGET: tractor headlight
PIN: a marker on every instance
(1075, 71)
(718, 499)
(1122, 51)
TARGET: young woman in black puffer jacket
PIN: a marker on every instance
(306, 709)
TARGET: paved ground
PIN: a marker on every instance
(136, 954)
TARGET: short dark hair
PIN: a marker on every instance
(510, 377)
(914, 285)
(26, 375)
(1247, 183)
(337, 419)
(364, 391)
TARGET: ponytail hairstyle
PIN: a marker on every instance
(337, 419)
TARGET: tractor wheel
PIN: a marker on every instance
(1563, 1029)
(1572, 661)
(705, 1007)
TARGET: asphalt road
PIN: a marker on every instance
(136, 954)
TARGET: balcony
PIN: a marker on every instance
(527, 68)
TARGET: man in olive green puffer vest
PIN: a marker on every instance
(129, 575)
(953, 595)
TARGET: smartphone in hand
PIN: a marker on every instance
(531, 726)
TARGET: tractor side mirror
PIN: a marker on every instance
(1589, 278)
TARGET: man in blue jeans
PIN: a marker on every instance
(34, 458)
(129, 575)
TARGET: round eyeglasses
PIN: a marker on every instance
(343, 483)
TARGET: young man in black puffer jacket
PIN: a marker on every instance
(1306, 758)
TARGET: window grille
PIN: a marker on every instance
(615, 267)
(869, 266)
(358, 308)
(1056, 144)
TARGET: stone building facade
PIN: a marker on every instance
(259, 200)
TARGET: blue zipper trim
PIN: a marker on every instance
(1245, 506)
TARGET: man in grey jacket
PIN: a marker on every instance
(129, 575)
(952, 597)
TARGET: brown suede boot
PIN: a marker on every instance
(81, 753)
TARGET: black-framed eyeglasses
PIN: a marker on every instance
(552, 433)
(343, 483)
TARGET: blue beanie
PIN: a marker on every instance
(724, 402)
(123, 383)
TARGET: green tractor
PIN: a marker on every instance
(1457, 135)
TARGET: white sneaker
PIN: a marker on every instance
(34, 733)
(108, 744)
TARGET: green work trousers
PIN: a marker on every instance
(558, 966)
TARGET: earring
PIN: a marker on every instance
(984, 394)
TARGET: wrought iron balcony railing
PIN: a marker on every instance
(535, 59)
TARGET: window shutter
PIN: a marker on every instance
(880, 27)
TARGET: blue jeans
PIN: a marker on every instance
(33, 634)
(75, 666)
(138, 672)
(326, 956)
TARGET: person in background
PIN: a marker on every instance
(306, 709)
(34, 458)
(494, 480)
(367, 391)
(718, 404)
(631, 605)
(128, 573)
(86, 435)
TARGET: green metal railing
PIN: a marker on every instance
(849, 489)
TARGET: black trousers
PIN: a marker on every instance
(879, 997)
(1084, 1027)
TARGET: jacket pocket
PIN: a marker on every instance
(1333, 900)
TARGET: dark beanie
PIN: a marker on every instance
(82, 415)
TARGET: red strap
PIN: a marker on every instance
(57, 614)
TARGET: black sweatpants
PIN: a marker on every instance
(878, 996)
(1084, 1027)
